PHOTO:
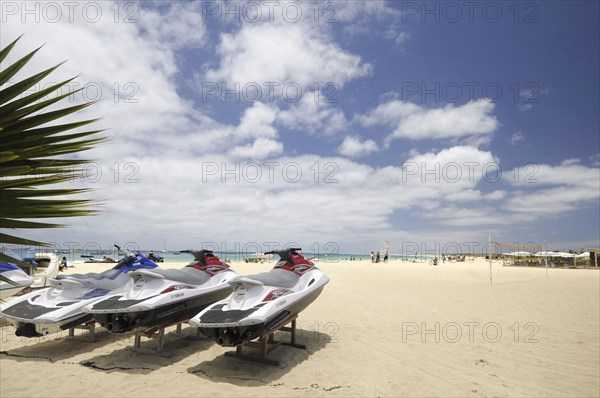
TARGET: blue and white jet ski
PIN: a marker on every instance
(160, 297)
(16, 275)
(262, 302)
(60, 306)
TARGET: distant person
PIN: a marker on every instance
(435, 261)
(372, 257)
(377, 257)
(63, 264)
(385, 257)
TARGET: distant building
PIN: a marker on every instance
(594, 254)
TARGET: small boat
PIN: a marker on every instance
(164, 296)
(59, 307)
(45, 266)
(104, 259)
(16, 275)
(262, 302)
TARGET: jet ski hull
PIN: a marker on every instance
(31, 329)
(60, 306)
(236, 327)
(121, 316)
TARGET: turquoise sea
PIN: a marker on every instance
(170, 257)
(176, 256)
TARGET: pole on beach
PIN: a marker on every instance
(490, 255)
(546, 257)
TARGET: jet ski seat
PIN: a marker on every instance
(185, 275)
(275, 277)
(104, 280)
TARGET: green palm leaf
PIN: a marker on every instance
(32, 149)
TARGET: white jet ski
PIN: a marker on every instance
(160, 297)
(262, 302)
(60, 306)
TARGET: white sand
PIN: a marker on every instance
(377, 330)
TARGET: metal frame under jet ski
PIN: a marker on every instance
(60, 306)
(261, 303)
(165, 296)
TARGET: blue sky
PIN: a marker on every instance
(425, 103)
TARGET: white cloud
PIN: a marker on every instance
(469, 119)
(392, 112)
(261, 148)
(551, 190)
(354, 147)
(569, 162)
(257, 121)
(415, 122)
(284, 54)
(314, 115)
(129, 68)
(180, 26)
(517, 138)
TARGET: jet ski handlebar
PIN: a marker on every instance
(285, 254)
(198, 254)
(127, 256)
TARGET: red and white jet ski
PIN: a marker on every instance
(263, 301)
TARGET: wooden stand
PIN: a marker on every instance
(152, 334)
(266, 343)
(156, 333)
(89, 326)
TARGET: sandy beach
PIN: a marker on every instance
(397, 329)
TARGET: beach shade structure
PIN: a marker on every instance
(518, 254)
(583, 255)
(554, 254)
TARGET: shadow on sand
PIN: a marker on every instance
(177, 347)
(55, 347)
(240, 372)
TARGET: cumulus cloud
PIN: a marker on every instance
(550, 190)
(261, 148)
(180, 26)
(284, 54)
(257, 121)
(314, 115)
(354, 147)
(415, 122)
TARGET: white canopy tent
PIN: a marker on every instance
(554, 254)
(518, 254)
(583, 255)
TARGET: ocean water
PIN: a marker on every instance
(175, 256)
(170, 257)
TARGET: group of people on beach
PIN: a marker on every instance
(376, 257)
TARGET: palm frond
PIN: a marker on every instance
(33, 145)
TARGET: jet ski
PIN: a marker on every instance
(16, 275)
(59, 307)
(160, 297)
(262, 302)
